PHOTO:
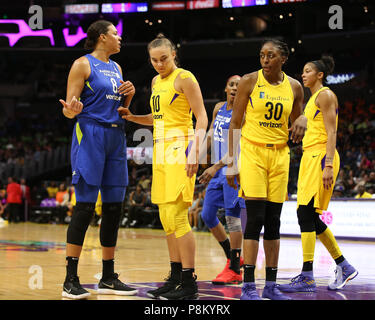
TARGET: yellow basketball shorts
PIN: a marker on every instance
(264, 171)
(174, 217)
(169, 177)
(310, 178)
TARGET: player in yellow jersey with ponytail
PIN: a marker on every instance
(267, 99)
(175, 97)
(318, 171)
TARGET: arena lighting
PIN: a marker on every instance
(124, 7)
(72, 39)
(81, 8)
(202, 4)
(25, 31)
(243, 3)
(288, 1)
(340, 78)
(168, 5)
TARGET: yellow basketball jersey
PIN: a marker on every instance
(170, 108)
(316, 132)
(268, 110)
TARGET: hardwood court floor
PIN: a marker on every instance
(32, 264)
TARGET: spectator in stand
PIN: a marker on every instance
(72, 203)
(3, 203)
(145, 182)
(132, 174)
(137, 202)
(349, 183)
(370, 185)
(14, 199)
(340, 181)
(151, 211)
(52, 189)
(26, 198)
(39, 193)
(362, 194)
(62, 196)
(360, 181)
(62, 201)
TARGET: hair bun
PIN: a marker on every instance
(160, 36)
(329, 63)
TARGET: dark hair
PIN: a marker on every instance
(281, 46)
(94, 31)
(326, 64)
(162, 40)
(235, 75)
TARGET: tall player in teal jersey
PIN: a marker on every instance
(220, 195)
(98, 155)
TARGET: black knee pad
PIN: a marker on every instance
(305, 215)
(81, 218)
(320, 226)
(272, 221)
(256, 210)
(111, 215)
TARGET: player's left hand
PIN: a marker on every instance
(298, 129)
(327, 177)
(191, 169)
(126, 88)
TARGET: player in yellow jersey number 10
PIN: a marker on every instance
(175, 97)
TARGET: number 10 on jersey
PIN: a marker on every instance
(156, 103)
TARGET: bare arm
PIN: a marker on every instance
(131, 201)
(244, 90)
(298, 120)
(143, 201)
(190, 87)
(327, 102)
(78, 74)
(146, 120)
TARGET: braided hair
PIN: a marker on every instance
(280, 45)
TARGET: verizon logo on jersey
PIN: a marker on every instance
(270, 124)
(113, 97)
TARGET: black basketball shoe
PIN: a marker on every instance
(72, 289)
(186, 290)
(113, 285)
(169, 284)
